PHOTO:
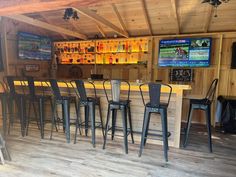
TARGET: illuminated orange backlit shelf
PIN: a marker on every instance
(114, 51)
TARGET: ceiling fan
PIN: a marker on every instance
(215, 3)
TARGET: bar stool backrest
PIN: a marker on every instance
(115, 86)
(81, 90)
(9, 80)
(154, 91)
(55, 89)
(3, 88)
(211, 92)
(115, 90)
(31, 86)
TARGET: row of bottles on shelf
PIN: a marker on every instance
(121, 58)
(85, 47)
(122, 46)
(106, 46)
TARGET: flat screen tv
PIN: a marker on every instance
(195, 52)
(35, 47)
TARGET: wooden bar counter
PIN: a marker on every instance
(137, 109)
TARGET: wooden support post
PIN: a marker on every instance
(4, 45)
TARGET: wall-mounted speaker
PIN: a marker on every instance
(233, 60)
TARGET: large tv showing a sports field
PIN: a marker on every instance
(194, 52)
(34, 47)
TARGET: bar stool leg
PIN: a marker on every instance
(53, 117)
(10, 107)
(41, 116)
(21, 109)
(146, 133)
(114, 113)
(144, 129)
(124, 121)
(130, 125)
(101, 119)
(208, 124)
(35, 112)
(92, 115)
(107, 126)
(86, 116)
(78, 122)
(28, 117)
(163, 113)
(66, 109)
(77, 114)
(188, 126)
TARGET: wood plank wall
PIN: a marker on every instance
(202, 79)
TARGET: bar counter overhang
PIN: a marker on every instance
(137, 108)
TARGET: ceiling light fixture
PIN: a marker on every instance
(215, 3)
(70, 13)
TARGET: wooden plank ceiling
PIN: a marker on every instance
(124, 18)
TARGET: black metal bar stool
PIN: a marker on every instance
(155, 105)
(37, 101)
(115, 103)
(18, 97)
(65, 102)
(89, 104)
(205, 105)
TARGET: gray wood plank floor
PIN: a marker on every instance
(33, 157)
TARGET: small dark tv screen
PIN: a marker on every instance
(31, 46)
(185, 52)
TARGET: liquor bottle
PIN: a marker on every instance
(140, 45)
(146, 46)
(72, 48)
(119, 47)
(117, 60)
(110, 60)
(101, 47)
(85, 59)
(98, 47)
(79, 49)
(126, 46)
(104, 59)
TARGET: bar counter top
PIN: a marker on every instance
(99, 85)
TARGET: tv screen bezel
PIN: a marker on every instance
(189, 66)
(28, 59)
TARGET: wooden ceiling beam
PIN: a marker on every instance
(208, 18)
(122, 24)
(174, 7)
(144, 7)
(99, 19)
(50, 22)
(40, 24)
(101, 30)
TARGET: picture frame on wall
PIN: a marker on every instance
(32, 68)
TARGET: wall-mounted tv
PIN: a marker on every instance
(195, 52)
(36, 47)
